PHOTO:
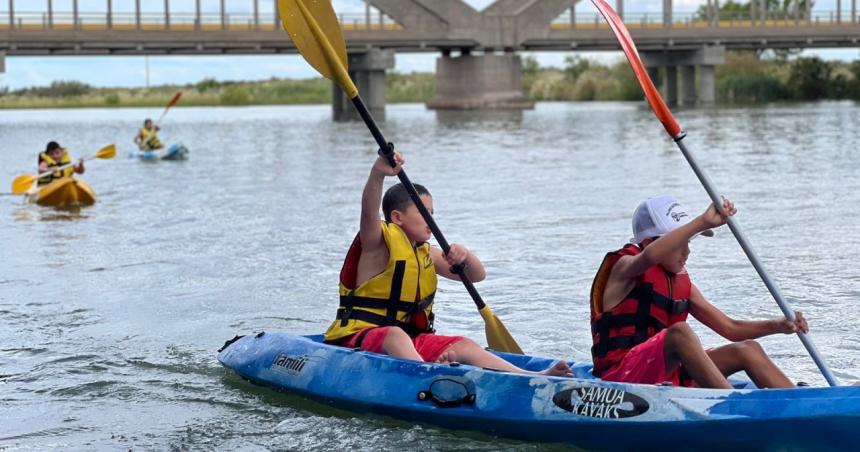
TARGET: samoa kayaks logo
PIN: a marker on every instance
(291, 364)
(600, 402)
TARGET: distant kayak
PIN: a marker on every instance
(64, 192)
(175, 152)
(583, 411)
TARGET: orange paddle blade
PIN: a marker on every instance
(175, 99)
(651, 93)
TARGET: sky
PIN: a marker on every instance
(132, 71)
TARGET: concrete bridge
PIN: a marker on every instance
(478, 65)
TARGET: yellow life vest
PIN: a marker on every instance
(65, 159)
(149, 139)
(402, 295)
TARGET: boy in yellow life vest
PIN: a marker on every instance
(388, 282)
(642, 295)
(55, 156)
(147, 138)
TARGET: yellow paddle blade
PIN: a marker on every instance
(22, 183)
(498, 337)
(314, 29)
(107, 152)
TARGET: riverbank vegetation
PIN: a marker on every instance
(747, 77)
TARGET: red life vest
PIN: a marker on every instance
(658, 300)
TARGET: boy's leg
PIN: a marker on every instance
(682, 347)
(750, 357)
(398, 343)
(469, 352)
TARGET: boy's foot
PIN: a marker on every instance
(559, 369)
(448, 356)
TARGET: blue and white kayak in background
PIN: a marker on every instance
(582, 411)
(175, 152)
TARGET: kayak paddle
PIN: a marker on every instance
(675, 132)
(315, 31)
(172, 102)
(23, 182)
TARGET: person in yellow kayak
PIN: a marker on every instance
(388, 282)
(55, 156)
(640, 299)
(147, 138)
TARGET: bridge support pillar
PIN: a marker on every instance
(474, 82)
(2, 62)
(688, 85)
(704, 59)
(670, 85)
(654, 74)
(707, 85)
(367, 71)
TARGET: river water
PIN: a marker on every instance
(111, 315)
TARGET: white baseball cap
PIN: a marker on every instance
(659, 216)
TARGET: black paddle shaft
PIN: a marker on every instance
(386, 149)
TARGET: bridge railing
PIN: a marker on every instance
(589, 19)
(128, 21)
(640, 20)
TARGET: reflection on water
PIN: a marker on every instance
(115, 311)
(456, 119)
(27, 211)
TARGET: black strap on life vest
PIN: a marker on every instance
(394, 295)
(392, 306)
(346, 313)
(641, 320)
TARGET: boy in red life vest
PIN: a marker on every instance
(388, 282)
(640, 300)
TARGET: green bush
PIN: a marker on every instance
(207, 84)
(235, 95)
(628, 84)
(112, 99)
(60, 88)
(409, 87)
(743, 88)
(809, 78)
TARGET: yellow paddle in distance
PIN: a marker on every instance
(23, 182)
(314, 29)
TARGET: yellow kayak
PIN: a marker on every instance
(64, 192)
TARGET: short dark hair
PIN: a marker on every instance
(147, 120)
(397, 198)
(52, 145)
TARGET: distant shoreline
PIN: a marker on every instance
(746, 78)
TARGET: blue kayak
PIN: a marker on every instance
(175, 152)
(582, 411)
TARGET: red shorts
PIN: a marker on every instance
(645, 364)
(428, 345)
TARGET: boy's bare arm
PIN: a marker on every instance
(633, 266)
(740, 330)
(458, 254)
(370, 232)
